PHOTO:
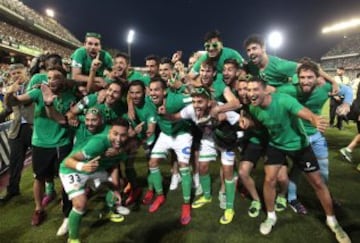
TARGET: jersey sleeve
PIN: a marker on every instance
(291, 104)
(150, 117)
(35, 94)
(236, 55)
(289, 89)
(182, 99)
(347, 93)
(77, 58)
(94, 147)
(187, 112)
(36, 79)
(108, 63)
(86, 102)
(287, 68)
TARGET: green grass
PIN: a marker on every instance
(164, 226)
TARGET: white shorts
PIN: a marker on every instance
(208, 152)
(74, 183)
(207, 149)
(181, 144)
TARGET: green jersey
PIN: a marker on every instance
(225, 53)
(144, 113)
(81, 59)
(47, 132)
(179, 90)
(285, 129)
(95, 146)
(108, 113)
(135, 75)
(37, 79)
(276, 73)
(314, 101)
(258, 135)
(218, 86)
(82, 134)
(174, 103)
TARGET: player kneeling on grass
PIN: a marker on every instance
(217, 137)
(86, 163)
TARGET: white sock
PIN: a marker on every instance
(348, 149)
(331, 220)
(271, 215)
(196, 178)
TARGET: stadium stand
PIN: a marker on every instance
(29, 15)
(345, 54)
(16, 35)
(25, 33)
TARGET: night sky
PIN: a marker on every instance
(162, 27)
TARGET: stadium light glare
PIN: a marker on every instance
(352, 23)
(50, 12)
(130, 39)
(275, 39)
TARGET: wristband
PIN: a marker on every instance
(79, 166)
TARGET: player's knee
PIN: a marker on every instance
(79, 206)
(153, 163)
(283, 178)
(203, 168)
(244, 173)
(318, 183)
(270, 180)
(228, 172)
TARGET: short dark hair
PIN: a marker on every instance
(123, 55)
(118, 82)
(153, 57)
(254, 39)
(120, 122)
(58, 68)
(308, 65)
(52, 60)
(160, 80)
(341, 68)
(201, 91)
(212, 34)
(209, 63)
(137, 83)
(233, 62)
(166, 60)
(257, 80)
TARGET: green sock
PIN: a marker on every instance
(230, 193)
(156, 179)
(236, 174)
(131, 176)
(110, 200)
(205, 182)
(49, 188)
(186, 183)
(150, 183)
(74, 223)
